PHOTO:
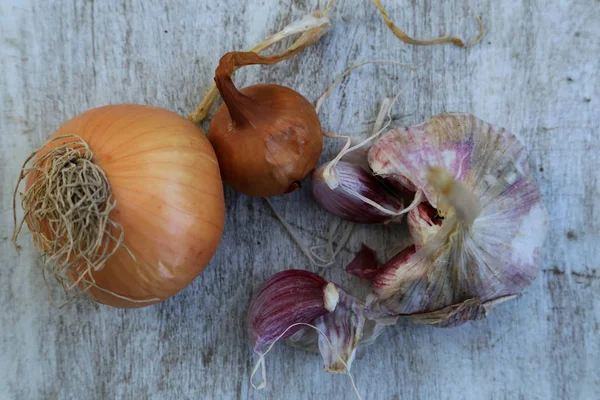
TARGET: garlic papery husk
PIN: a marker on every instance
(342, 331)
(423, 223)
(355, 327)
(338, 334)
(487, 246)
(457, 314)
(359, 196)
(285, 299)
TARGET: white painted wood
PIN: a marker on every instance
(535, 73)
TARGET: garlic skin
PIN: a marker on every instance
(458, 314)
(345, 200)
(287, 298)
(341, 332)
(343, 329)
(423, 224)
(494, 222)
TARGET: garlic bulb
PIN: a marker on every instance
(482, 243)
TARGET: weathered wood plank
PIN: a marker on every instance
(535, 72)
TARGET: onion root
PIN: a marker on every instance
(67, 205)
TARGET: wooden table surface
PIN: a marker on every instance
(535, 73)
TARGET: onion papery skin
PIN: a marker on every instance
(165, 179)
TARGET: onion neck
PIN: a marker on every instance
(463, 201)
(241, 107)
(238, 104)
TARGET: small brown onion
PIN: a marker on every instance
(267, 137)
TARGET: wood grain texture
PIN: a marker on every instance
(535, 73)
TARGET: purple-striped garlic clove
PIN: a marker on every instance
(364, 265)
(493, 221)
(287, 298)
(381, 303)
(359, 196)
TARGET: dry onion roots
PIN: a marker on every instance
(67, 208)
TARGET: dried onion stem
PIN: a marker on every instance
(311, 28)
(403, 36)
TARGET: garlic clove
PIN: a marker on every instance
(350, 199)
(391, 282)
(365, 264)
(287, 298)
(487, 247)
